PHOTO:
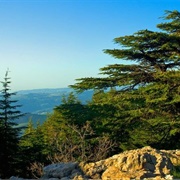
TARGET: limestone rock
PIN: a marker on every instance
(134, 164)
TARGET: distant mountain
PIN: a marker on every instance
(46, 90)
(42, 101)
(37, 103)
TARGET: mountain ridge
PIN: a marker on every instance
(37, 103)
(44, 90)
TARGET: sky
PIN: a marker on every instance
(51, 43)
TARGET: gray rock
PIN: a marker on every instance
(60, 170)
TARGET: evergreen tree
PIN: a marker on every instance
(9, 131)
(146, 92)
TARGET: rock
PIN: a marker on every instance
(61, 170)
(134, 164)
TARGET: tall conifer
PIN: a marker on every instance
(147, 90)
(9, 132)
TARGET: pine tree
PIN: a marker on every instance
(9, 131)
(146, 90)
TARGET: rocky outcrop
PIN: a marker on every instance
(134, 164)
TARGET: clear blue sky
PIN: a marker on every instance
(50, 43)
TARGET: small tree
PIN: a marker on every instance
(9, 131)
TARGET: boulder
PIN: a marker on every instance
(134, 164)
